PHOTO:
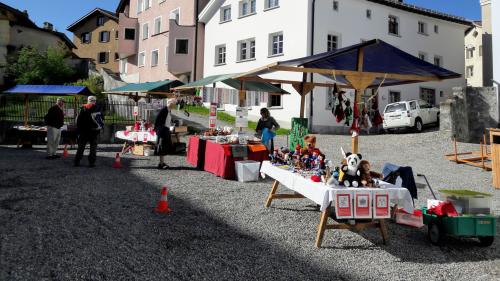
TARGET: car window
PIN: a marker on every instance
(395, 107)
(413, 105)
(423, 104)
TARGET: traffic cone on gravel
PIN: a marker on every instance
(65, 152)
(117, 164)
(163, 204)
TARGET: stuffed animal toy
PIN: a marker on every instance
(298, 151)
(274, 156)
(352, 174)
(310, 145)
(367, 175)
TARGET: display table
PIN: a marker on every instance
(136, 140)
(324, 196)
(218, 158)
(26, 135)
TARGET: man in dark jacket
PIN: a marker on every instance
(54, 120)
(89, 124)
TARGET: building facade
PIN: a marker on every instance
(474, 55)
(257, 33)
(496, 43)
(17, 31)
(160, 40)
(95, 36)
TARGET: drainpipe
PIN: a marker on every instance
(197, 6)
(311, 98)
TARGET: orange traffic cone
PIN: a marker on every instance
(65, 153)
(117, 164)
(163, 204)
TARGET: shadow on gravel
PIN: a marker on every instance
(98, 224)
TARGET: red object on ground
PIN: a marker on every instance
(117, 164)
(444, 209)
(65, 152)
(163, 204)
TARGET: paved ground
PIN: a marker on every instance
(63, 223)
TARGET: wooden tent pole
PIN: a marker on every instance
(357, 97)
(302, 95)
(242, 99)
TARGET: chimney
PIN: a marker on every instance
(48, 26)
(26, 13)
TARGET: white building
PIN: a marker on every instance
(496, 41)
(474, 55)
(241, 35)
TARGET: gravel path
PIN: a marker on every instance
(63, 223)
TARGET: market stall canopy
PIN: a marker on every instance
(49, 90)
(148, 88)
(229, 79)
(381, 64)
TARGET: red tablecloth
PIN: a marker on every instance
(218, 158)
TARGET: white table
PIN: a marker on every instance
(324, 196)
(142, 136)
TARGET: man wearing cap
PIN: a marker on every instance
(89, 124)
(54, 119)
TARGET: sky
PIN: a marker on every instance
(62, 13)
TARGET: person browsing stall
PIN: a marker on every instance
(89, 124)
(163, 123)
(54, 119)
(267, 122)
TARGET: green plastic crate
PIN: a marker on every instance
(464, 225)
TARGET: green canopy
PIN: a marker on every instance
(159, 87)
(229, 80)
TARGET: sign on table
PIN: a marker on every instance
(213, 116)
(241, 117)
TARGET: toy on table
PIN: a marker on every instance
(352, 174)
(275, 159)
(367, 175)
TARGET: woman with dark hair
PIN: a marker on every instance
(267, 122)
(163, 123)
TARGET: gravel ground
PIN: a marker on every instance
(58, 222)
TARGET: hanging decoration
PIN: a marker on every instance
(348, 112)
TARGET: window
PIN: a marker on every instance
(276, 46)
(394, 96)
(104, 36)
(117, 35)
(176, 15)
(145, 31)
(368, 14)
(438, 61)
(140, 6)
(225, 14)
(147, 4)
(422, 55)
(428, 96)
(393, 25)
(470, 71)
(274, 100)
(220, 54)
(422, 28)
(117, 56)
(100, 20)
(481, 50)
(123, 65)
(413, 105)
(246, 49)
(157, 25)
(270, 4)
(181, 46)
(335, 5)
(141, 59)
(332, 43)
(86, 38)
(154, 58)
(129, 34)
(436, 28)
(247, 7)
(166, 55)
(470, 53)
(102, 57)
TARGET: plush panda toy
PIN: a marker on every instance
(352, 174)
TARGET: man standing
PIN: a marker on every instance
(89, 124)
(54, 120)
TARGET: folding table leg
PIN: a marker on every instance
(383, 231)
(273, 191)
(322, 226)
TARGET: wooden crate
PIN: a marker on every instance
(495, 153)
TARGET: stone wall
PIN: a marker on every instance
(469, 112)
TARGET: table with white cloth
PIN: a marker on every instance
(324, 196)
(136, 140)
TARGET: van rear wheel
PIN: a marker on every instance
(418, 126)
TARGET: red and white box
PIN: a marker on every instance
(344, 204)
(363, 204)
(381, 204)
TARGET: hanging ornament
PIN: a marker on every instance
(348, 112)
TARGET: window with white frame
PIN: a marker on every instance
(429, 96)
(422, 55)
(247, 7)
(141, 59)
(157, 25)
(270, 4)
(147, 4)
(140, 6)
(225, 13)
(336, 5)
(154, 58)
(246, 49)
(368, 14)
(470, 71)
(438, 61)
(145, 31)
(422, 27)
(129, 34)
(276, 44)
(275, 100)
(436, 28)
(103, 57)
(470, 53)
(394, 96)
(123, 65)
(166, 54)
(176, 15)
(220, 54)
(181, 46)
(393, 25)
(332, 42)
(104, 36)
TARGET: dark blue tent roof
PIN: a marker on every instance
(379, 58)
(49, 90)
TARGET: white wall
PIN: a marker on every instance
(496, 39)
(476, 61)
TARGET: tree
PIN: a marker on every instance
(94, 83)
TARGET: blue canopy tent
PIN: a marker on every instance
(370, 64)
(45, 90)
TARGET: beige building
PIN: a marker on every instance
(474, 55)
(17, 31)
(95, 36)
